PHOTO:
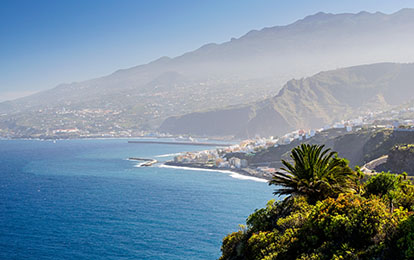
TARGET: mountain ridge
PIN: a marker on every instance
(313, 102)
(250, 68)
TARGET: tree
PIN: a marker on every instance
(381, 184)
(315, 174)
(395, 188)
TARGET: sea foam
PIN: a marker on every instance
(231, 173)
(167, 155)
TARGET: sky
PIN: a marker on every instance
(44, 43)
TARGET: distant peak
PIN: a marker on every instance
(405, 11)
(363, 13)
(314, 18)
(162, 59)
(317, 16)
(208, 46)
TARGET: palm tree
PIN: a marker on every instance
(315, 174)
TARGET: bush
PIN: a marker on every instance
(348, 225)
(232, 246)
(401, 243)
(340, 225)
(394, 189)
(381, 184)
(276, 214)
(270, 231)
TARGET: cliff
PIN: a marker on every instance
(400, 159)
(358, 147)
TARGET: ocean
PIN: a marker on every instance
(82, 199)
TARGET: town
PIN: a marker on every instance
(235, 157)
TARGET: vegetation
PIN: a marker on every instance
(404, 147)
(328, 212)
(316, 174)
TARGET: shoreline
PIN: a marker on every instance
(235, 173)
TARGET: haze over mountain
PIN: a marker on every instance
(307, 103)
(250, 68)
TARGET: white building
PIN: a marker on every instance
(312, 133)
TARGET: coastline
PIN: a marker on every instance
(243, 174)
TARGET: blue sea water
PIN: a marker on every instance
(81, 199)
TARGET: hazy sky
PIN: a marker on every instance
(45, 43)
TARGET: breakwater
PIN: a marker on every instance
(179, 143)
(147, 162)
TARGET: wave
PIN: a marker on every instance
(139, 164)
(231, 173)
(245, 177)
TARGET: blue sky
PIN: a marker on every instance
(47, 42)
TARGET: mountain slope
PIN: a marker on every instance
(243, 70)
(312, 102)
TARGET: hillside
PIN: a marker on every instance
(241, 71)
(400, 159)
(308, 103)
(358, 147)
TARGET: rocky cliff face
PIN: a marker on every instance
(400, 159)
(358, 147)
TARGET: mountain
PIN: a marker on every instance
(240, 71)
(307, 103)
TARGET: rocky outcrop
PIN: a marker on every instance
(400, 159)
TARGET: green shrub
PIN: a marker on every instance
(401, 244)
(232, 246)
(381, 184)
(375, 225)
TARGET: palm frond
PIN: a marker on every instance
(315, 172)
